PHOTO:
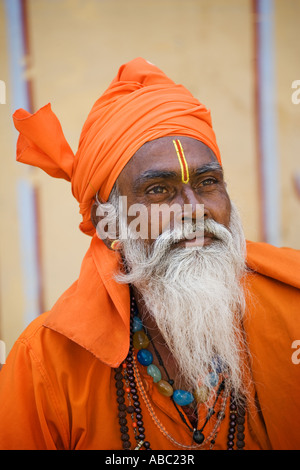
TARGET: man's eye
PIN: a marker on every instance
(157, 190)
(208, 181)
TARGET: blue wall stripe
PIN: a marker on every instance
(27, 231)
(268, 122)
(19, 95)
(25, 191)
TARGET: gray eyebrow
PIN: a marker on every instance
(164, 174)
(214, 166)
(153, 174)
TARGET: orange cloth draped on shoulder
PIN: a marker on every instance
(141, 104)
(57, 388)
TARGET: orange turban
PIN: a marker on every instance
(141, 104)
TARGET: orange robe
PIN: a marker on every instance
(57, 388)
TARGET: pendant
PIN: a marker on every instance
(198, 436)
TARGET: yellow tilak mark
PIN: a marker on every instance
(183, 163)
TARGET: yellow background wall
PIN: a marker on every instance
(76, 49)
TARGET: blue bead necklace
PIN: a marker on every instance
(179, 397)
(141, 340)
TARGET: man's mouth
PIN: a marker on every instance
(205, 240)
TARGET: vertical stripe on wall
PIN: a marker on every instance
(26, 193)
(266, 122)
(29, 255)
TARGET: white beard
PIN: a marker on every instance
(195, 297)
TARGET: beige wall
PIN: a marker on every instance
(77, 47)
(288, 70)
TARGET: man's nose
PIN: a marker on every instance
(192, 205)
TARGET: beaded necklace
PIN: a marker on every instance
(129, 373)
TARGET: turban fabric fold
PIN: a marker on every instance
(141, 104)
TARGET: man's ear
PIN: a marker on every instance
(110, 243)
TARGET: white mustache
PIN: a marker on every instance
(190, 230)
(169, 238)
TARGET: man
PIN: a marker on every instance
(177, 335)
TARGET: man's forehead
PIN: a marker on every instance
(160, 154)
(157, 146)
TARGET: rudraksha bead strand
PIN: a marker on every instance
(236, 423)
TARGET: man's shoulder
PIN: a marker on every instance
(51, 348)
(39, 339)
(262, 247)
(34, 328)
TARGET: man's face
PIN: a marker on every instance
(176, 170)
(193, 294)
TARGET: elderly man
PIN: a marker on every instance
(178, 334)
